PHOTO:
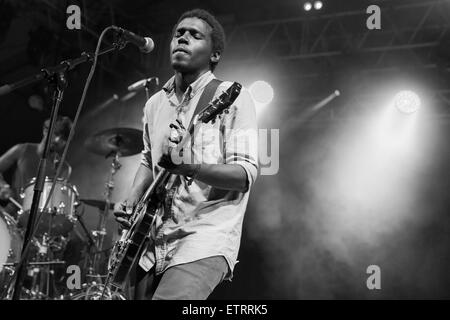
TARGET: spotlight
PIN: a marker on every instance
(261, 91)
(318, 5)
(36, 102)
(407, 102)
(307, 6)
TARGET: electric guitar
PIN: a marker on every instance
(127, 250)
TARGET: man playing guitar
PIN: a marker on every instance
(195, 237)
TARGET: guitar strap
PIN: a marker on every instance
(205, 99)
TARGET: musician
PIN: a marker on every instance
(24, 158)
(195, 240)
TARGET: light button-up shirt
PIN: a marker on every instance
(199, 221)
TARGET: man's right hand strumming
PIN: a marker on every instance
(123, 211)
(5, 191)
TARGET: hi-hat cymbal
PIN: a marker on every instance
(100, 204)
(123, 141)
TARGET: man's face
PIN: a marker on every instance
(191, 46)
(58, 142)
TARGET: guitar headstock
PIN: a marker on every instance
(220, 104)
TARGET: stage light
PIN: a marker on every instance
(407, 102)
(307, 6)
(318, 5)
(261, 91)
(36, 102)
(262, 94)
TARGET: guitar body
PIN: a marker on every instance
(126, 252)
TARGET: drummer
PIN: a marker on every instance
(24, 158)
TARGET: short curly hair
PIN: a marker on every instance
(217, 33)
(62, 126)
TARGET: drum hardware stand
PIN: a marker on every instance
(43, 274)
(34, 292)
(14, 202)
(92, 247)
(86, 232)
(37, 263)
(147, 86)
(40, 271)
(95, 285)
(115, 143)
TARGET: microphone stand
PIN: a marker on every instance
(57, 76)
(64, 66)
(86, 232)
(60, 82)
(147, 93)
(147, 86)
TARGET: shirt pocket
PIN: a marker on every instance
(207, 146)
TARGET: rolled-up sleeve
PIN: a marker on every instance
(241, 136)
(146, 158)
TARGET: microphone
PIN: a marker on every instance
(145, 44)
(5, 89)
(142, 84)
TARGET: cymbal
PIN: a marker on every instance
(97, 203)
(123, 141)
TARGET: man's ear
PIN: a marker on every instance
(215, 57)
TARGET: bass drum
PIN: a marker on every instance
(10, 248)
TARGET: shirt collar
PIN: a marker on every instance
(193, 88)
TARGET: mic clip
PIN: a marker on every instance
(119, 40)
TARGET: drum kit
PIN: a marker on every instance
(57, 222)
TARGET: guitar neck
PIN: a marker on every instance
(164, 175)
(161, 179)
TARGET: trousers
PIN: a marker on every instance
(190, 281)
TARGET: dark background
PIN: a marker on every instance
(311, 230)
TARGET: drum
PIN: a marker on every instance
(10, 248)
(59, 215)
